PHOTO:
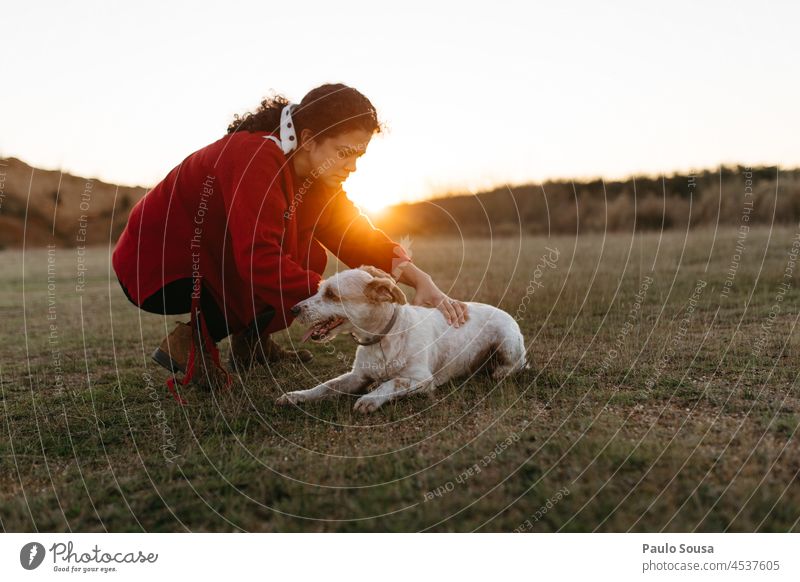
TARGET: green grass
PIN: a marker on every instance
(679, 430)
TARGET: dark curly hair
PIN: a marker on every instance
(327, 111)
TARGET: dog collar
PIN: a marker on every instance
(380, 335)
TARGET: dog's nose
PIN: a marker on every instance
(295, 310)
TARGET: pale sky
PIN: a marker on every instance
(475, 94)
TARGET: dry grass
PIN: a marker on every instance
(687, 427)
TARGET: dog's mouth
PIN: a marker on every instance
(319, 331)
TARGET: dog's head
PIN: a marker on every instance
(347, 302)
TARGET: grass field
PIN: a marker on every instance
(662, 396)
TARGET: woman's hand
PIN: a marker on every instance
(429, 295)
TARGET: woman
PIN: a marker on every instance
(236, 234)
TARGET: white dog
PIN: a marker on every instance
(403, 349)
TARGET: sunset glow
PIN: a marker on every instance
(515, 94)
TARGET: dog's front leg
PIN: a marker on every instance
(349, 383)
(390, 390)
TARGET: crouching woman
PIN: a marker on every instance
(235, 235)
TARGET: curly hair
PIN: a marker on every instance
(327, 110)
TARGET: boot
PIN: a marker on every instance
(173, 354)
(248, 350)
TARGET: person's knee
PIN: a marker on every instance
(125, 291)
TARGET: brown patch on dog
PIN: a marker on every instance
(375, 272)
(384, 290)
(330, 294)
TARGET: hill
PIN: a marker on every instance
(724, 195)
(42, 206)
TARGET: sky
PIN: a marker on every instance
(473, 94)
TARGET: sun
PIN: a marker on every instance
(370, 205)
(367, 198)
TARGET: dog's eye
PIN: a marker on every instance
(330, 294)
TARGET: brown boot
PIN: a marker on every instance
(248, 350)
(173, 354)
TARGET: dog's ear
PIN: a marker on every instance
(384, 289)
(374, 271)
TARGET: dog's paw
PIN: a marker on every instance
(367, 404)
(289, 398)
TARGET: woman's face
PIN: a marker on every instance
(333, 159)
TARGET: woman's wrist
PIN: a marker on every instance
(412, 275)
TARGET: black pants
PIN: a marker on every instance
(176, 298)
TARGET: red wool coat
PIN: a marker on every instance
(235, 214)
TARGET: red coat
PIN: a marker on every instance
(227, 213)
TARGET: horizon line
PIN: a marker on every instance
(467, 191)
